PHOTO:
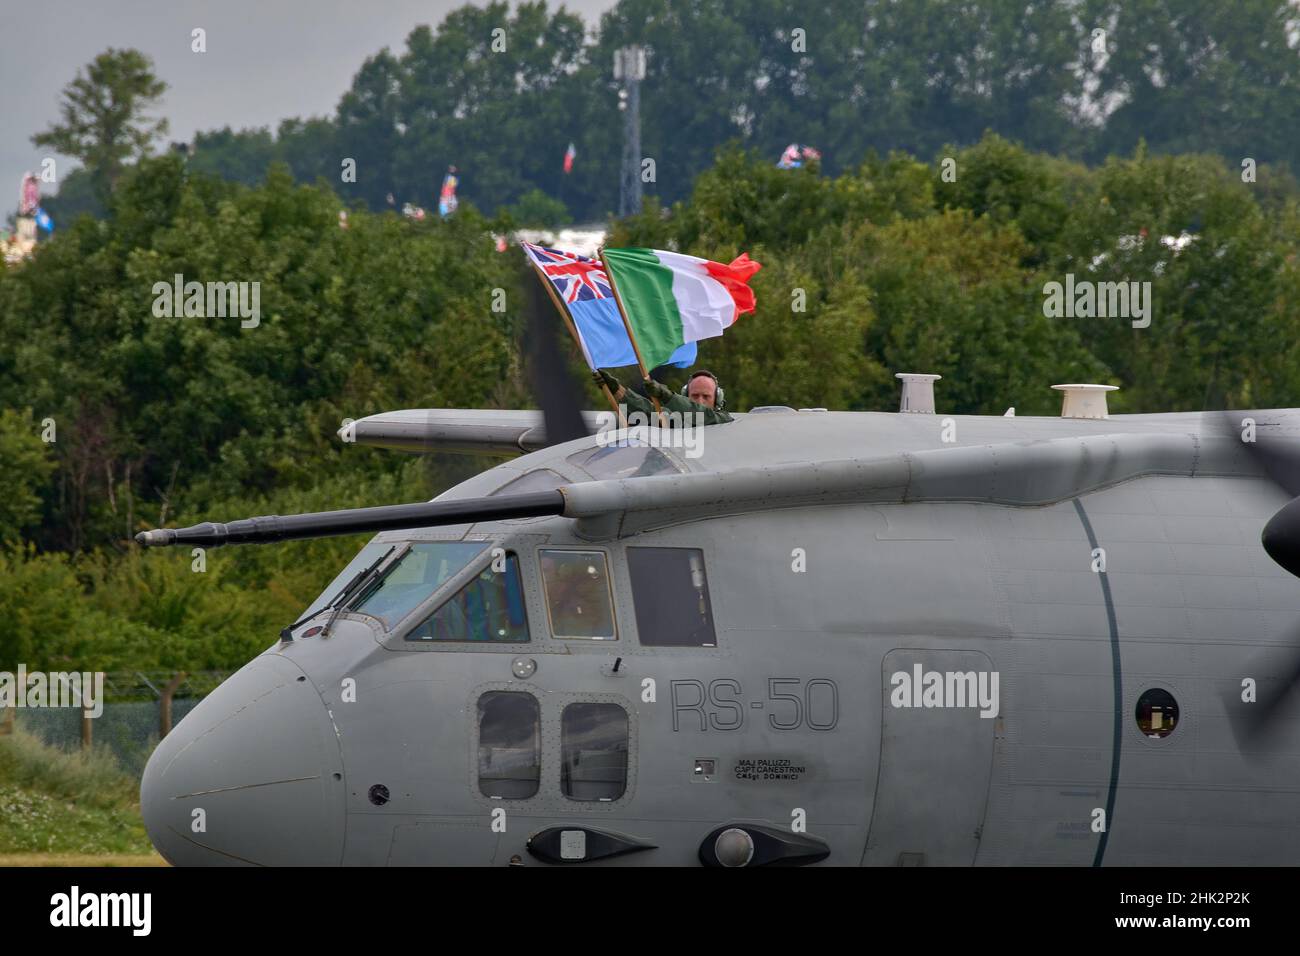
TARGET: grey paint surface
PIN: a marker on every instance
(956, 553)
(923, 806)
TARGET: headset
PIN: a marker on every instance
(718, 401)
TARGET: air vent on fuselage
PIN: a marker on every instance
(1084, 401)
(918, 392)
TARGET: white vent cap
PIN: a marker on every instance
(918, 392)
(1085, 401)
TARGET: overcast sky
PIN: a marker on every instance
(266, 59)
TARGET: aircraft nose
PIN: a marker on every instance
(251, 776)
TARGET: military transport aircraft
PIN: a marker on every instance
(816, 637)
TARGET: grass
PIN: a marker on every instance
(80, 859)
(61, 808)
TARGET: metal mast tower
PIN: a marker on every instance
(629, 67)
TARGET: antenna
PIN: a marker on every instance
(1085, 401)
(629, 66)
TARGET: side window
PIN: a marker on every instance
(1157, 713)
(593, 745)
(509, 745)
(671, 596)
(578, 597)
(489, 608)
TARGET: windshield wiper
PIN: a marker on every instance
(356, 578)
(365, 589)
(286, 634)
(363, 579)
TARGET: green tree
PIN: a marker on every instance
(76, 197)
(104, 123)
(241, 157)
(490, 82)
(1200, 77)
(499, 92)
(25, 466)
(1220, 313)
(537, 209)
(369, 122)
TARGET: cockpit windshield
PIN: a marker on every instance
(627, 459)
(424, 568)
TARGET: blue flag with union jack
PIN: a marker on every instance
(584, 289)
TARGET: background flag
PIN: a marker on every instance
(447, 196)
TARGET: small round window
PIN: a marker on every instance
(1157, 713)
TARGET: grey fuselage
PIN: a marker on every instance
(817, 609)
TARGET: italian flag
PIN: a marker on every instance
(671, 299)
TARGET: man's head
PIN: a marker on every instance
(703, 388)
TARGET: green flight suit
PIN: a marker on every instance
(672, 401)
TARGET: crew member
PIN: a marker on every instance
(701, 396)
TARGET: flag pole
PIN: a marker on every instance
(573, 330)
(618, 299)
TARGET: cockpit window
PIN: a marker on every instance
(671, 596)
(629, 459)
(543, 479)
(424, 568)
(578, 595)
(489, 608)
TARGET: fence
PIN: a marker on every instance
(139, 707)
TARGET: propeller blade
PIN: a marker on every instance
(1279, 459)
(323, 524)
(553, 386)
(1281, 537)
(1256, 724)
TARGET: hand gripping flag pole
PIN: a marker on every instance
(618, 299)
